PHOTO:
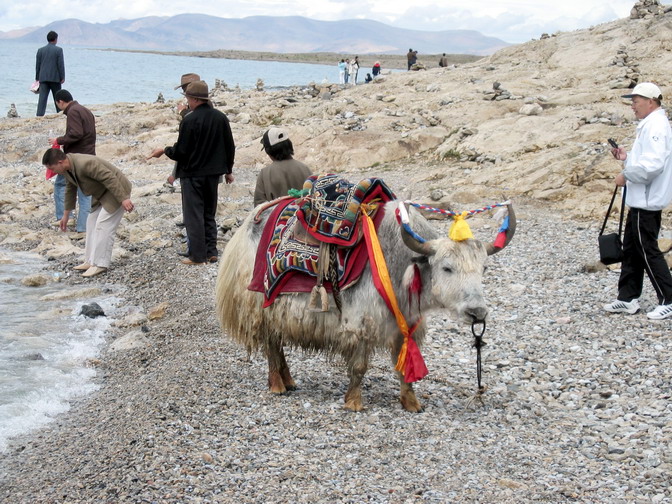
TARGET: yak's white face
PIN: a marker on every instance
(457, 278)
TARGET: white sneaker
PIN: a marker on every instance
(661, 312)
(618, 306)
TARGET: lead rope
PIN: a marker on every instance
(478, 344)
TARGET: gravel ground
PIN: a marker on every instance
(577, 408)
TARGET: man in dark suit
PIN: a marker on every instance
(50, 71)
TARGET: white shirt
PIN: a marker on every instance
(648, 166)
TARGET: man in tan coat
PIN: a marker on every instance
(110, 193)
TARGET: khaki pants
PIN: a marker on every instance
(100, 229)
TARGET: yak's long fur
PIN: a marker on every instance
(451, 277)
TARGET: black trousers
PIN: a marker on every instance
(45, 88)
(641, 254)
(199, 206)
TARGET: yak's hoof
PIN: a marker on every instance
(354, 406)
(411, 404)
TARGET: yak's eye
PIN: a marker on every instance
(447, 269)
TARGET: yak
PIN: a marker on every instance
(452, 277)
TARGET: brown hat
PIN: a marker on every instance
(197, 89)
(187, 78)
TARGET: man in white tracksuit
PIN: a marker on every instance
(647, 174)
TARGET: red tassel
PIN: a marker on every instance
(500, 241)
(415, 365)
(415, 287)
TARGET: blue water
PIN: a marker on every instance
(46, 347)
(103, 77)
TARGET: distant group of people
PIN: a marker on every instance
(348, 70)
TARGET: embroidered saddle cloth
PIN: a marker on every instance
(330, 210)
(288, 252)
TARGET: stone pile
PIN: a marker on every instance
(645, 9)
(630, 76)
(498, 93)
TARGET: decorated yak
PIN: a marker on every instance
(384, 268)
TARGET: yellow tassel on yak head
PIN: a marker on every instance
(460, 230)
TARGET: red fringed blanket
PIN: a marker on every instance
(287, 254)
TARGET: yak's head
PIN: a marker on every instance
(457, 271)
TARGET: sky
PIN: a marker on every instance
(512, 21)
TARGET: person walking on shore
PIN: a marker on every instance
(79, 138)
(49, 71)
(111, 192)
(443, 61)
(204, 151)
(647, 175)
(284, 173)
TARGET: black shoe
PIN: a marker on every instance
(183, 254)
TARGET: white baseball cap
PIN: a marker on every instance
(647, 90)
(273, 137)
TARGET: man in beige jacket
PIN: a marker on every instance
(110, 193)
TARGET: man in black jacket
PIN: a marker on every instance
(204, 151)
(50, 71)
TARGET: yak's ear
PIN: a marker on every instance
(490, 247)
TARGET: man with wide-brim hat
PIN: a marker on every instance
(204, 151)
(187, 79)
(647, 177)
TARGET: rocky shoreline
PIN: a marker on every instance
(387, 61)
(578, 402)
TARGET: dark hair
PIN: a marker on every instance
(52, 156)
(63, 95)
(280, 151)
(52, 36)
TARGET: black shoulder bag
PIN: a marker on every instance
(611, 246)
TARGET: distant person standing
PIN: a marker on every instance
(375, 70)
(443, 61)
(354, 69)
(412, 57)
(79, 138)
(204, 151)
(49, 71)
(341, 72)
(347, 70)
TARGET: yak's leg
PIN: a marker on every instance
(357, 366)
(277, 367)
(286, 376)
(406, 392)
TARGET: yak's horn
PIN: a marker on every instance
(415, 243)
(490, 247)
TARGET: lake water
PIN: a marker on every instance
(45, 345)
(102, 77)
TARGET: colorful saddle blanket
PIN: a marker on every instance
(287, 254)
(331, 208)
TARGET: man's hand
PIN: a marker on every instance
(63, 224)
(620, 180)
(170, 179)
(619, 153)
(52, 141)
(156, 153)
(128, 205)
(228, 178)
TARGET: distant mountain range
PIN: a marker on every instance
(291, 34)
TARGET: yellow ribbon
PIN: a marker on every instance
(460, 231)
(386, 282)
